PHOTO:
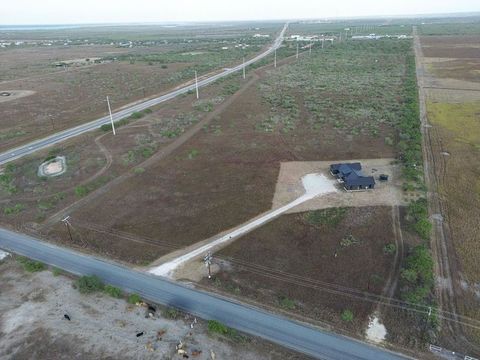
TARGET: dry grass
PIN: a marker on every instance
(459, 119)
(459, 131)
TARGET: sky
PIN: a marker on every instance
(16, 12)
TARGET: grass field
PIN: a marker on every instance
(453, 110)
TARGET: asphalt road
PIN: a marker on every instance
(277, 329)
(95, 124)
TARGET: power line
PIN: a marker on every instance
(353, 293)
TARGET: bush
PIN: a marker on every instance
(136, 115)
(193, 154)
(113, 291)
(348, 241)
(347, 315)
(417, 276)
(147, 151)
(13, 210)
(171, 313)
(31, 265)
(134, 299)
(56, 271)
(388, 141)
(106, 127)
(423, 227)
(389, 249)
(417, 214)
(287, 303)
(89, 284)
(217, 327)
(81, 191)
(330, 217)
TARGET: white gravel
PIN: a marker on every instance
(3, 254)
(376, 331)
(314, 185)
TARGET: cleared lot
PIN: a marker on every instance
(32, 325)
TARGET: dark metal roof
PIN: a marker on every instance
(355, 180)
(354, 166)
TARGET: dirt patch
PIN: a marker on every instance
(100, 326)
(53, 167)
(314, 185)
(385, 193)
(14, 95)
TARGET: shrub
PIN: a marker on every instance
(286, 303)
(423, 227)
(348, 241)
(218, 328)
(147, 151)
(171, 313)
(13, 210)
(81, 190)
(417, 214)
(388, 141)
(139, 170)
(389, 249)
(409, 275)
(106, 127)
(417, 275)
(113, 291)
(89, 284)
(136, 115)
(134, 299)
(31, 265)
(56, 271)
(347, 315)
(193, 154)
(330, 217)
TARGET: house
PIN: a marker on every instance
(350, 174)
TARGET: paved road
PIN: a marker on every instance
(95, 124)
(245, 318)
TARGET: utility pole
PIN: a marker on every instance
(297, 50)
(310, 50)
(275, 58)
(244, 68)
(208, 262)
(111, 118)
(323, 40)
(67, 224)
(196, 83)
(50, 116)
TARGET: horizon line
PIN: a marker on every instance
(169, 22)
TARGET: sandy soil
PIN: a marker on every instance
(385, 193)
(32, 325)
(15, 95)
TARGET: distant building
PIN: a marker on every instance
(350, 174)
(261, 36)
